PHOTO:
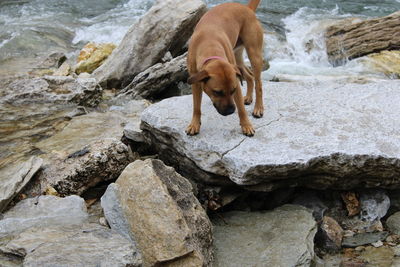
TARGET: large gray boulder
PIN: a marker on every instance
(153, 205)
(282, 237)
(317, 135)
(148, 40)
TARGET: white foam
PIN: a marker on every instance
(303, 53)
(112, 25)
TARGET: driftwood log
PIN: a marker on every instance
(348, 40)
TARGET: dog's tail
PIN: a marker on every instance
(253, 4)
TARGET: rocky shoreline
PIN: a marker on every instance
(96, 168)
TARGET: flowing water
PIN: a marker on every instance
(29, 28)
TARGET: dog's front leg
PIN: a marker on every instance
(194, 126)
(247, 127)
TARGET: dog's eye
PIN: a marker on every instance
(218, 93)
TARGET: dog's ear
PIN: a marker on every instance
(198, 77)
(239, 74)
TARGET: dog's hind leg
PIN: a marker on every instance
(253, 42)
(247, 75)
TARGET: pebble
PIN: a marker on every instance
(103, 222)
(377, 244)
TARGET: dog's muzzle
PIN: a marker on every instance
(227, 111)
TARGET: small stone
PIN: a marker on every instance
(363, 239)
(329, 235)
(51, 191)
(352, 203)
(84, 75)
(309, 199)
(63, 70)
(103, 222)
(390, 239)
(374, 205)
(54, 60)
(393, 223)
(348, 233)
(377, 244)
(92, 56)
(359, 248)
(396, 250)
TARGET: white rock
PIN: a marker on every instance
(317, 134)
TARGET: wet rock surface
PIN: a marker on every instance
(301, 140)
(148, 41)
(153, 205)
(282, 237)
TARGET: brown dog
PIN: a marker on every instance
(215, 62)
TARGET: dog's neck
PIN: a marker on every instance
(211, 58)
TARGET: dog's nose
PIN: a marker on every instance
(228, 111)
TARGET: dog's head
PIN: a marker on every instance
(219, 80)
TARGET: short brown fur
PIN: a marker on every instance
(224, 32)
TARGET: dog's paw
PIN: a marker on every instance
(258, 112)
(247, 100)
(193, 129)
(248, 130)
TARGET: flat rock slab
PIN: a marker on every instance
(282, 237)
(43, 211)
(316, 134)
(86, 245)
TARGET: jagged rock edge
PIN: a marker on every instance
(302, 174)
